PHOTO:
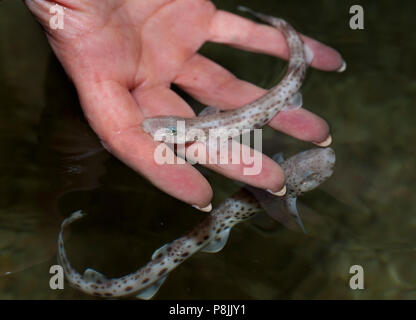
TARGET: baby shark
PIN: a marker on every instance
(251, 116)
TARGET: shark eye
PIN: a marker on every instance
(310, 178)
(172, 131)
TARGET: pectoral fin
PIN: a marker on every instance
(293, 210)
(90, 275)
(218, 242)
(150, 291)
(161, 250)
(282, 209)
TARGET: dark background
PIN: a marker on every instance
(365, 214)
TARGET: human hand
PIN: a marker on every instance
(123, 56)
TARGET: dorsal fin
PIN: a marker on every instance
(150, 291)
(295, 102)
(90, 275)
(218, 242)
(308, 54)
(161, 250)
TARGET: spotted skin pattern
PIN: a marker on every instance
(251, 116)
(304, 172)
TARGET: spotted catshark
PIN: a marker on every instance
(304, 172)
(251, 116)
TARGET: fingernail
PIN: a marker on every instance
(343, 67)
(324, 143)
(279, 193)
(208, 208)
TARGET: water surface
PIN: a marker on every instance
(365, 214)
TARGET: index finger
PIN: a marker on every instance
(115, 116)
(243, 33)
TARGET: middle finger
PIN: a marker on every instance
(213, 85)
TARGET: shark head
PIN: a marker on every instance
(166, 129)
(304, 172)
(307, 170)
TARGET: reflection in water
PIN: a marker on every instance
(304, 172)
(66, 157)
(26, 234)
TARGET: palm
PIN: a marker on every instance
(143, 48)
(123, 56)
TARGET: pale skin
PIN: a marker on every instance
(123, 55)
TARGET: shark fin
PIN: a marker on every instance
(208, 110)
(258, 15)
(91, 275)
(295, 102)
(278, 157)
(292, 209)
(73, 217)
(281, 209)
(218, 242)
(308, 54)
(150, 291)
(161, 250)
